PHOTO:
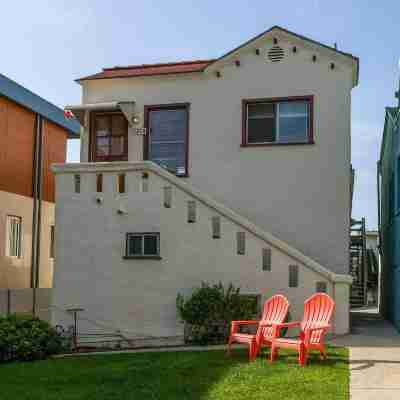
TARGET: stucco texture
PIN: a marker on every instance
(300, 193)
(138, 297)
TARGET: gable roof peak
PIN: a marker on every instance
(283, 32)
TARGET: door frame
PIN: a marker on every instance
(158, 107)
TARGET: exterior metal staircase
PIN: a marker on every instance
(363, 265)
(358, 263)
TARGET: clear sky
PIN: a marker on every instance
(47, 44)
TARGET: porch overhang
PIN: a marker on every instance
(126, 107)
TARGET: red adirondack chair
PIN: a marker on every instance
(274, 312)
(318, 310)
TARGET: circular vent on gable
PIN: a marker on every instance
(276, 54)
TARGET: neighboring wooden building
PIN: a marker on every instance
(33, 135)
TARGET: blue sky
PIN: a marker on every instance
(47, 44)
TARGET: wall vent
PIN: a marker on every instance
(275, 54)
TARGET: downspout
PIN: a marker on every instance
(37, 205)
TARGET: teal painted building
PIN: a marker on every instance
(389, 215)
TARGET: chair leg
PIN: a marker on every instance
(254, 350)
(251, 351)
(302, 355)
(228, 347)
(274, 353)
(323, 353)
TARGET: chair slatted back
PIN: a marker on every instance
(318, 310)
(275, 310)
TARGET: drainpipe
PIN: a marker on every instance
(37, 206)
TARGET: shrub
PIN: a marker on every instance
(208, 312)
(24, 337)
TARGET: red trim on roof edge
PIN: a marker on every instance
(150, 70)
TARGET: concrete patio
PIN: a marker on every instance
(374, 358)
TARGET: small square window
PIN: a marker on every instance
(320, 287)
(293, 276)
(14, 236)
(142, 245)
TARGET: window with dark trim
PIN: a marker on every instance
(167, 139)
(109, 137)
(277, 121)
(143, 245)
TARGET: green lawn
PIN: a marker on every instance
(179, 375)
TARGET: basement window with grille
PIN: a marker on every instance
(143, 245)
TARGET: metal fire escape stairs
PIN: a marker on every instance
(363, 265)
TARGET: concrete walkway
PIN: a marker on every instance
(374, 359)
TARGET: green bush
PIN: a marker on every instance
(24, 337)
(208, 312)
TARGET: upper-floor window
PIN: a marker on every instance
(167, 140)
(109, 137)
(277, 121)
(14, 236)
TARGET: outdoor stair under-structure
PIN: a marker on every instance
(363, 265)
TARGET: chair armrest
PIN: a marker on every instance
(318, 327)
(236, 324)
(287, 324)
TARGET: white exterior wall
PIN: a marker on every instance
(15, 273)
(300, 193)
(138, 297)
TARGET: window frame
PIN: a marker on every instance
(161, 107)
(93, 157)
(247, 102)
(8, 236)
(142, 256)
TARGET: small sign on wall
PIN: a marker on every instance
(140, 131)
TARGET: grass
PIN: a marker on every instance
(178, 375)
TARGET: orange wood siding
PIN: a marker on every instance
(16, 148)
(54, 151)
(17, 138)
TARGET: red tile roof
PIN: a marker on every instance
(150, 69)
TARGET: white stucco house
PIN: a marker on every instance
(235, 169)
